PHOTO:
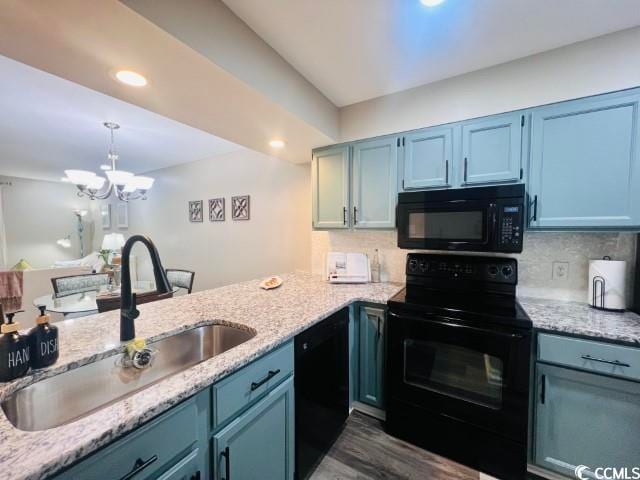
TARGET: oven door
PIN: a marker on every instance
(473, 374)
(454, 225)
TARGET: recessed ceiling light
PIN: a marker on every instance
(105, 167)
(276, 143)
(431, 3)
(131, 78)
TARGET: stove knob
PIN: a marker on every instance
(492, 270)
(507, 271)
(413, 265)
(424, 266)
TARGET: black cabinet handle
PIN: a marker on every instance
(465, 169)
(196, 476)
(543, 389)
(617, 363)
(344, 215)
(139, 466)
(227, 463)
(379, 332)
(355, 215)
(270, 375)
(446, 173)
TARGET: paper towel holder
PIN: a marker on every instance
(599, 282)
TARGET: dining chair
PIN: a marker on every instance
(181, 278)
(108, 303)
(63, 286)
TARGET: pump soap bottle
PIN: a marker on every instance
(14, 350)
(43, 341)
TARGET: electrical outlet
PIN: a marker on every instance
(560, 271)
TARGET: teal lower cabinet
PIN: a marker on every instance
(585, 418)
(167, 448)
(371, 341)
(259, 443)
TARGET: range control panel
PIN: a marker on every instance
(462, 267)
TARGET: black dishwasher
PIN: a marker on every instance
(321, 389)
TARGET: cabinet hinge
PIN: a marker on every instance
(521, 172)
(522, 121)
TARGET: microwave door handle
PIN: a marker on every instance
(457, 325)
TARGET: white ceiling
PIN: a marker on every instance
(48, 124)
(353, 50)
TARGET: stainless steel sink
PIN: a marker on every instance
(76, 393)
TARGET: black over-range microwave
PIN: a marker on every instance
(479, 219)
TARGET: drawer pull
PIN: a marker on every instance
(139, 466)
(227, 463)
(617, 363)
(270, 375)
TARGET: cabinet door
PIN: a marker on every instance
(585, 419)
(330, 185)
(427, 158)
(492, 149)
(375, 166)
(371, 325)
(259, 443)
(585, 164)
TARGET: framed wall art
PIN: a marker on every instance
(105, 216)
(240, 207)
(195, 211)
(216, 209)
(122, 215)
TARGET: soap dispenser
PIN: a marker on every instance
(14, 350)
(43, 341)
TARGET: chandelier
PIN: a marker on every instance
(125, 185)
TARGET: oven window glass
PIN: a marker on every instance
(446, 225)
(454, 371)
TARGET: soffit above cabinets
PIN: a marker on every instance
(360, 49)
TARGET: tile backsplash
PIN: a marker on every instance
(552, 264)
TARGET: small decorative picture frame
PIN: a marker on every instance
(122, 215)
(105, 215)
(195, 211)
(240, 207)
(216, 209)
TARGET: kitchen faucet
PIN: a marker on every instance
(128, 310)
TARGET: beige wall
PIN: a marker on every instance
(541, 249)
(275, 240)
(603, 64)
(36, 214)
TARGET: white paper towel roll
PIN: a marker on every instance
(612, 274)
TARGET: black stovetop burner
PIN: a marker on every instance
(464, 287)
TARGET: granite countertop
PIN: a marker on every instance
(578, 318)
(276, 316)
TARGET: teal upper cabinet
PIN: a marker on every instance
(259, 443)
(330, 177)
(585, 165)
(375, 167)
(585, 419)
(428, 155)
(491, 149)
(371, 326)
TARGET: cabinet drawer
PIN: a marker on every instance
(147, 445)
(590, 355)
(241, 389)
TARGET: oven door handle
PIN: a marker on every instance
(458, 325)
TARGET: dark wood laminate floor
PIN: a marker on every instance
(365, 452)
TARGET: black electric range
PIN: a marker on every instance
(458, 356)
